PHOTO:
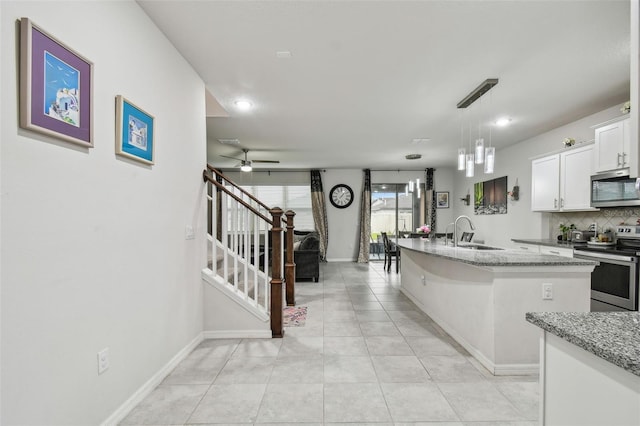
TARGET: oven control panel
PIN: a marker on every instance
(628, 231)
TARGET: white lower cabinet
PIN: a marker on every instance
(530, 248)
(562, 182)
(558, 251)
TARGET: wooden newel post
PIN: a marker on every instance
(289, 265)
(277, 329)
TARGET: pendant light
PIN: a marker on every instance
(461, 151)
(461, 158)
(418, 187)
(470, 165)
(470, 158)
(490, 151)
(490, 159)
(479, 151)
(480, 141)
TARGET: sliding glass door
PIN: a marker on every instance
(396, 211)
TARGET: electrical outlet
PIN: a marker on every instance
(188, 233)
(547, 291)
(103, 360)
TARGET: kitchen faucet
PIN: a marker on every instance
(455, 228)
(446, 238)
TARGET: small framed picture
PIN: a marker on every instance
(442, 199)
(55, 87)
(134, 131)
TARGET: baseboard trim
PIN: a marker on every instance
(495, 369)
(342, 259)
(122, 411)
(239, 334)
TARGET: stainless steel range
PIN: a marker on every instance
(614, 281)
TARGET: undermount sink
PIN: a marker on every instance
(478, 247)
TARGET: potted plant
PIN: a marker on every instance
(566, 231)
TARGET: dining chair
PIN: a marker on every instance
(390, 251)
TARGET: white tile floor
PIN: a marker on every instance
(366, 356)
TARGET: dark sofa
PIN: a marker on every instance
(306, 255)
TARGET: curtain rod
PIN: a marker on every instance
(273, 170)
(401, 170)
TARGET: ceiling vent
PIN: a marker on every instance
(413, 156)
(229, 141)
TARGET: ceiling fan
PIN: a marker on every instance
(245, 165)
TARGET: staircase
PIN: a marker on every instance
(246, 242)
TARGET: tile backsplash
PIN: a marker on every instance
(605, 218)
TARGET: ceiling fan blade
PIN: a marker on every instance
(266, 161)
(232, 158)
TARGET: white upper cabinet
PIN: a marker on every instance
(562, 182)
(613, 146)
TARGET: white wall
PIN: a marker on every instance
(515, 163)
(93, 246)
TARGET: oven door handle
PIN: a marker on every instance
(593, 255)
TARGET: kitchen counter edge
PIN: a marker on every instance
(612, 336)
(549, 242)
(502, 257)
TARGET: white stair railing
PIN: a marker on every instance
(242, 232)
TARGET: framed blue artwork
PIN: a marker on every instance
(55, 87)
(134, 131)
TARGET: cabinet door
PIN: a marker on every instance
(610, 149)
(545, 183)
(530, 248)
(626, 141)
(558, 251)
(576, 168)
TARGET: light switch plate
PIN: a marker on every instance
(103, 360)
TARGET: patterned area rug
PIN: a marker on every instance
(294, 316)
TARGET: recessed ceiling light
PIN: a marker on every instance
(283, 54)
(418, 141)
(503, 121)
(229, 141)
(243, 104)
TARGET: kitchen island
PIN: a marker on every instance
(590, 367)
(480, 297)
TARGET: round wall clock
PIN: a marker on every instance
(341, 196)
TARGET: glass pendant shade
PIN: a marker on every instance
(490, 159)
(479, 151)
(461, 158)
(470, 165)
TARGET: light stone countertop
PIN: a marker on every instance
(549, 242)
(612, 336)
(505, 257)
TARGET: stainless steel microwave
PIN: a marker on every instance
(615, 189)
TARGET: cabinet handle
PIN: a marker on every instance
(624, 158)
(555, 203)
(619, 163)
(561, 202)
(554, 252)
(524, 248)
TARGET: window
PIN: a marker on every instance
(289, 197)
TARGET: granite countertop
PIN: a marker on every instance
(548, 242)
(504, 257)
(612, 336)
